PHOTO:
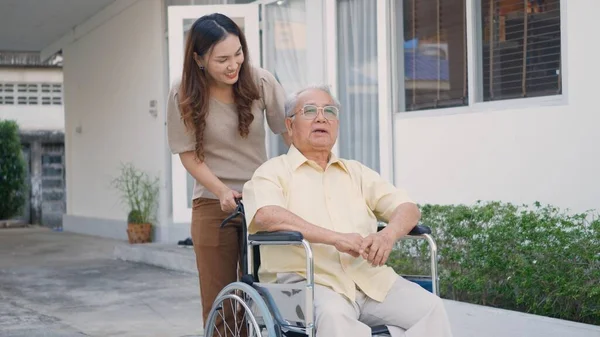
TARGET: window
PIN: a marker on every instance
(521, 48)
(435, 54)
(516, 51)
(31, 93)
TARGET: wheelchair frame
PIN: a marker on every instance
(249, 245)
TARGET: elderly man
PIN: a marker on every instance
(335, 204)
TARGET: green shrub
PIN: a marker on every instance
(534, 259)
(13, 172)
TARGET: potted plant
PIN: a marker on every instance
(139, 192)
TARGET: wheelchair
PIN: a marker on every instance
(284, 310)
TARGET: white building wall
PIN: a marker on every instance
(33, 117)
(522, 155)
(111, 75)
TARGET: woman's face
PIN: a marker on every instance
(224, 60)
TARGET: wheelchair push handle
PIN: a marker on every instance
(239, 210)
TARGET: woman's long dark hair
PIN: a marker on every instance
(194, 91)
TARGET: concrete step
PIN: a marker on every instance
(168, 256)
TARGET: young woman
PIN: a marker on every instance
(215, 122)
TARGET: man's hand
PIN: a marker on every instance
(376, 248)
(349, 243)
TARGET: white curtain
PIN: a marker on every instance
(285, 51)
(357, 81)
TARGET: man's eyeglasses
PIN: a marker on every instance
(330, 112)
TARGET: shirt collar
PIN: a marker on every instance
(297, 159)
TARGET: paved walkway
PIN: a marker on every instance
(57, 284)
(66, 285)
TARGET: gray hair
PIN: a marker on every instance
(292, 100)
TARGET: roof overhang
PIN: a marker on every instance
(47, 26)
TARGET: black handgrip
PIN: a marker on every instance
(229, 218)
(417, 230)
(420, 230)
(278, 236)
(238, 210)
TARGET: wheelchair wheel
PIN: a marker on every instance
(240, 311)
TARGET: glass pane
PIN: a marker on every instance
(521, 48)
(51, 159)
(358, 82)
(435, 54)
(284, 52)
(52, 183)
(52, 171)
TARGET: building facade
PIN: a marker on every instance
(454, 100)
(31, 94)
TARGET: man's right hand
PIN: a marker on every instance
(349, 243)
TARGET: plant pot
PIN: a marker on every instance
(139, 233)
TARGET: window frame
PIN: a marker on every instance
(476, 104)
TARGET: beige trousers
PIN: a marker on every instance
(407, 311)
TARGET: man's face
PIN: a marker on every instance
(310, 132)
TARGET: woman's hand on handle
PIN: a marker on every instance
(200, 171)
(228, 198)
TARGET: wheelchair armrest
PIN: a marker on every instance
(417, 230)
(276, 236)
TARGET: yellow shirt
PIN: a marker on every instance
(346, 197)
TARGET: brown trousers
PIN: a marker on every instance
(217, 257)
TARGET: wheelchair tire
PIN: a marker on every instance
(244, 296)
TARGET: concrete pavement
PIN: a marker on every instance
(467, 320)
(58, 284)
(61, 285)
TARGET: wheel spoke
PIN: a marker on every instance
(245, 303)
